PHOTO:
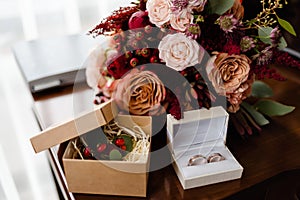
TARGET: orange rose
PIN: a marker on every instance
(237, 97)
(237, 10)
(140, 93)
(228, 72)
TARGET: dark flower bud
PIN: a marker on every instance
(138, 19)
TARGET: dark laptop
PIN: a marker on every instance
(54, 62)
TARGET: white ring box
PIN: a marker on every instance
(108, 177)
(201, 132)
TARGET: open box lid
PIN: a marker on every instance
(79, 125)
(197, 128)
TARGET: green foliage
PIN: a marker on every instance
(286, 25)
(264, 106)
(220, 6)
(272, 108)
(115, 155)
(264, 35)
(128, 142)
(261, 90)
(257, 116)
(282, 43)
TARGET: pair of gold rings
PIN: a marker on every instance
(200, 159)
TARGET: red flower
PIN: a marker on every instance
(117, 68)
(174, 109)
(232, 48)
(138, 19)
(173, 105)
(116, 21)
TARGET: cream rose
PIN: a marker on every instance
(158, 12)
(95, 64)
(228, 72)
(179, 51)
(179, 21)
(140, 93)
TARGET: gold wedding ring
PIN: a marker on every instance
(200, 159)
(215, 157)
(197, 160)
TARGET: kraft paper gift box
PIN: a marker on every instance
(109, 177)
(201, 132)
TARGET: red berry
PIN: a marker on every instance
(155, 52)
(120, 142)
(154, 59)
(101, 147)
(134, 62)
(123, 147)
(135, 44)
(96, 102)
(87, 152)
(138, 52)
(145, 52)
(118, 46)
(128, 55)
(104, 73)
(117, 38)
(148, 29)
(183, 73)
(139, 35)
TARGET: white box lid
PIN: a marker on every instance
(200, 127)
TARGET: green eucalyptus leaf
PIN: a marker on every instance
(128, 142)
(286, 25)
(115, 155)
(282, 43)
(264, 34)
(261, 90)
(272, 108)
(258, 117)
(220, 6)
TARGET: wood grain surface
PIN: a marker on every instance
(274, 150)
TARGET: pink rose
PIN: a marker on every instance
(158, 12)
(197, 2)
(197, 5)
(138, 19)
(179, 21)
(179, 51)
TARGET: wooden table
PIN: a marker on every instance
(274, 150)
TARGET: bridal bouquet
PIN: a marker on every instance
(170, 56)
